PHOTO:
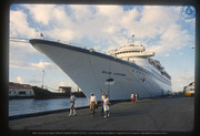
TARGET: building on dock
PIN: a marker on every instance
(17, 90)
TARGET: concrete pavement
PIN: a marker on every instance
(168, 114)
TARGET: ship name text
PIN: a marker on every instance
(116, 74)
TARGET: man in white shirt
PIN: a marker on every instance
(93, 102)
(72, 101)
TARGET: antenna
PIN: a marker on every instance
(131, 42)
(42, 78)
(133, 37)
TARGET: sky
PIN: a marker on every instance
(161, 29)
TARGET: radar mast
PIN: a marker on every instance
(132, 41)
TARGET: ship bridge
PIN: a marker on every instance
(131, 51)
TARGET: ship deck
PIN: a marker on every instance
(157, 115)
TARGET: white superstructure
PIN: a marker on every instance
(118, 73)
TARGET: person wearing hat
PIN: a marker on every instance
(93, 102)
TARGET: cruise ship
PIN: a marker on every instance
(118, 73)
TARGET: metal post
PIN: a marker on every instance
(42, 78)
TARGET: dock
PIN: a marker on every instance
(163, 115)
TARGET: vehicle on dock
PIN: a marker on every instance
(189, 90)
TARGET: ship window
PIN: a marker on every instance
(127, 52)
(22, 92)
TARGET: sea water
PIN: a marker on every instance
(27, 106)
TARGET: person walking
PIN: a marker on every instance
(93, 103)
(72, 107)
(102, 98)
(106, 103)
(136, 97)
(132, 97)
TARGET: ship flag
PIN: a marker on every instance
(41, 35)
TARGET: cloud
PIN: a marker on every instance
(172, 39)
(20, 51)
(104, 26)
(33, 81)
(181, 53)
(19, 80)
(61, 34)
(81, 13)
(170, 32)
(181, 79)
(159, 28)
(44, 65)
(34, 66)
(167, 55)
(155, 20)
(80, 22)
(41, 13)
(108, 25)
(19, 26)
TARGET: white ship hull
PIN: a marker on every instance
(90, 71)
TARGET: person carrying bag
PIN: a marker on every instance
(93, 103)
